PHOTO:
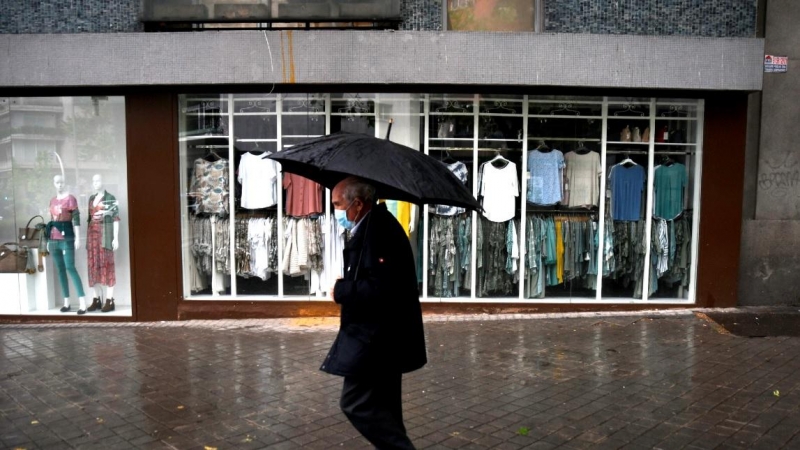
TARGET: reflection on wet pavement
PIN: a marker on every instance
(606, 382)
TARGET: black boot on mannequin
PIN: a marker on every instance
(109, 306)
(96, 304)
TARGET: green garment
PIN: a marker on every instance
(669, 184)
(110, 214)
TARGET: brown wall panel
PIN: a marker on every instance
(151, 127)
(724, 143)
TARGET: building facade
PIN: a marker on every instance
(614, 135)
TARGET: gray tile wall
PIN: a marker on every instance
(369, 57)
(422, 15)
(73, 16)
(712, 18)
(715, 18)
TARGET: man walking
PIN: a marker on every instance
(380, 335)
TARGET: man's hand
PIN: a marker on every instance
(332, 288)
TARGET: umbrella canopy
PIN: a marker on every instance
(397, 172)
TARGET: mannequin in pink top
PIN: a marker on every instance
(63, 234)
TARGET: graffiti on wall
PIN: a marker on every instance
(779, 178)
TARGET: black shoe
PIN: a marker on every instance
(81, 311)
(109, 306)
(66, 308)
(96, 304)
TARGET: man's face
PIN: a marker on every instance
(97, 182)
(339, 202)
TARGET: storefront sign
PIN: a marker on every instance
(775, 64)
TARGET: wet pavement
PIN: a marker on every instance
(760, 322)
(638, 381)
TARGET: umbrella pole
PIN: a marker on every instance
(389, 130)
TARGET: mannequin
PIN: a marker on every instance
(63, 233)
(102, 240)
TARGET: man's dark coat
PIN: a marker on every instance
(381, 319)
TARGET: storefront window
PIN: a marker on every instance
(585, 198)
(63, 210)
(562, 193)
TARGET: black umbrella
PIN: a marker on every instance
(397, 172)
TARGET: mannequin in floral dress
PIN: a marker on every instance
(102, 240)
(64, 237)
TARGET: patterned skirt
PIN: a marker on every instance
(101, 260)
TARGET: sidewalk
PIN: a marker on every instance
(666, 380)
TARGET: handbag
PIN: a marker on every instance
(30, 235)
(13, 260)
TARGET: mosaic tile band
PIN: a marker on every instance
(712, 18)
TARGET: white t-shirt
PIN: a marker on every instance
(499, 187)
(258, 177)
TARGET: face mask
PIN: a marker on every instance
(341, 217)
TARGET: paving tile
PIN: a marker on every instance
(219, 383)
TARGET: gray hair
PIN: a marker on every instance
(355, 187)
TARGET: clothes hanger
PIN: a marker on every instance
(667, 161)
(500, 107)
(629, 110)
(210, 153)
(564, 109)
(254, 106)
(582, 149)
(542, 147)
(305, 107)
(263, 152)
(451, 106)
(627, 160)
(675, 111)
(498, 158)
(448, 157)
(355, 107)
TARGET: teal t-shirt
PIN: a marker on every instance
(669, 184)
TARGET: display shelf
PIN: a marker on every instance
(205, 138)
(451, 148)
(564, 139)
(563, 116)
(265, 113)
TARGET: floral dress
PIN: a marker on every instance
(100, 258)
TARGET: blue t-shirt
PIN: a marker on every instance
(545, 169)
(627, 186)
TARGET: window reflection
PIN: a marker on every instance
(62, 164)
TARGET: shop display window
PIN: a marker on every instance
(64, 207)
(586, 199)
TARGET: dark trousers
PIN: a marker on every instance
(374, 406)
